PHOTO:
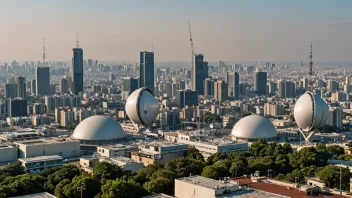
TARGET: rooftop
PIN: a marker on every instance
(43, 141)
(159, 196)
(37, 195)
(250, 193)
(206, 182)
(41, 158)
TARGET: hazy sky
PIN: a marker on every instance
(230, 30)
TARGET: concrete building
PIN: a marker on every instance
(197, 186)
(64, 85)
(332, 85)
(21, 87)
(10, 90)
(233, 81)
(170, 119)
(335, 117)
(36, 164)
(39, 108)
(129, 86)
(48, 146)
(56, 101)
(127, 164)
(273, 109)
(220, 90)
(260, 81)
(159, 152)
(117, 150)
(186, 98)
(208, 87)
(17, 107)
(38, 120)
(67, 117)
(8, 153)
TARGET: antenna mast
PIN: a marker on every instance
(310, 88)
(44, 51)
(77, 42)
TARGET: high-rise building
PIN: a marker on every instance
(39, 108)
(130, 85)
(10, 90)
(33, 87)
(208, 87)
(42, 81)
(181, 85)
(170, 119)
(233, 81)
(21, 87)
(17, 107)
(146, 70)
(260, 80)
(64, 85)
(112, 77)
(77, 71)
(273, 109)
(335, 117)
(286, 89)
(186, 98)
(199, 73)
(220, 90)
(332, 85)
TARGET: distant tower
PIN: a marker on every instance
(77, 69)
(310, 87)
(42, 75)
(260, 81)
(21, 87)
(146, 70)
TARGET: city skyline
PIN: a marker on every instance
(227, 30)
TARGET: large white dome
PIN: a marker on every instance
(142, 107)
(311, 111)
(98, 128)
(254, 127)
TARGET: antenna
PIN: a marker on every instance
(77, 42)
(310, 87)
(44, 51)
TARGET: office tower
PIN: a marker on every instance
(338, 96)
(39, 108)
(10, 90)
(272, 87)
(77, 70)
(112, 77)
(332, 85)
(260, 80)
(64, 85)
(130, 85)
(146, 70)
(186, 98)
(347, 89)
(233, 82)
(168, 90)
(348, 80)
(42, 81)
(305, 83)
(33, 87)
(21, 87)
(286, 89)
(17, 107)
(208, 87)
(199, 73)
(220, 90)
(335, 117)
(4, 107)
(181, 85)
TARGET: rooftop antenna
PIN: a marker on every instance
(310, 87)
(77, 42)
(44, 51)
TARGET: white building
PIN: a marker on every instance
(37, 164)
(8, 153)
(117, 150)
(335, 117)
(48, 146)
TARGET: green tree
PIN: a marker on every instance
(335, 151)
(23, 185)
(107, 171)
(66, 172)
(122, 189)
(13, 169)
(159, 185)
(215, 171)
(194, 153)
(183, 167)
(280, 176)
(346, 157)
(262, 164)
(49, 171)
(258, 148)
(331, 177)
(282, 164)
(59, 192)
(238, 168)
(287, 148)
(305, 157)
(162, 173)
(322, 154)
(90, 184)
(295, 176)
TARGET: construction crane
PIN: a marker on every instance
(44, 57)
(190, 39)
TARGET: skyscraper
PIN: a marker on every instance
(186, 98)
(130, 85)
(33, 87)
(208, 87)
(146, 70)
(10, 90)
(199, 73)
(220, 90)
(233, 81)
(17, 107)
(260, 79)
(64, 85)
(21, 87)
(77, 70)
(42, 81)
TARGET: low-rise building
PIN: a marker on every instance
(48, 146)
(88, 163)
(8, 153)
(159, 152)
(37, 164)
(117, 150)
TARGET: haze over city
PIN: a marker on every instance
(230, 30)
